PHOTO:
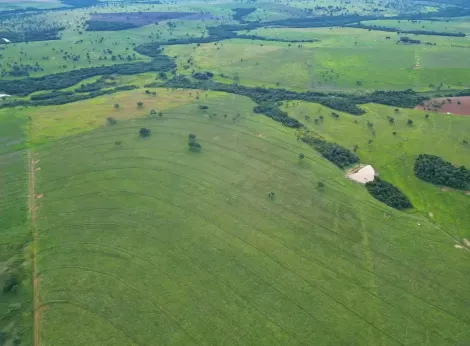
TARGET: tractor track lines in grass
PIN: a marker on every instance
(322, 264)
(194, 259)
(161, 269)
(204, 218)
(294, 213)
(88, 310)
(286, 267)
(149, 158)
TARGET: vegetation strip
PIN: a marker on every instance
(62, 80)
(435, 170)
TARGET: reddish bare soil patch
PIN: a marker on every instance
(453, 105)
(146, 18)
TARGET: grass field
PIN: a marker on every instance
(460, 24)
(204, 256)
(111, 238)
(394, 155)
(15, 306)
(342, 59)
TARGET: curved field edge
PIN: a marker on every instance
(192, 242)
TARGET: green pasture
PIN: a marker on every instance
(146, 242)
(50, 55)
(349, 59)
(15, 233)
(459, 24)
(393, 156)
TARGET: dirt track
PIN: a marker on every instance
(33, 208)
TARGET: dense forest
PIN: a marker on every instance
(435, 170)
(388, 194)
(333, 152)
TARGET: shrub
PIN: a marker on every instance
(111, 121)
(143, 132)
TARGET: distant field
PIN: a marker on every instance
(147, 18)
(359, 59)
(343, 59)
(192, 242)
(461, 24)
(41, 4)
(393, 155)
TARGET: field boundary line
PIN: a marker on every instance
(32, 209)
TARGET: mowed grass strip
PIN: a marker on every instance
(152, 243)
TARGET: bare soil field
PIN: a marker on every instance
(146, 18)
(452, 105)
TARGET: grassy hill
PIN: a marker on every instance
(394, 155)
(142, 240)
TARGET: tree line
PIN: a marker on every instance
(62, 80)
(400, 31)
(437, 171)
(388, 194)
(333, 152)
(269, 98)
(60, 98)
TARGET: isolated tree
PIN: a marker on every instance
(301, 156)
(116, 105)
(394, 133)
(153, 112)
(160, 114)
(140, 104)
(143, 132)
(426, 116)
(203, 107)
(111, 121)
(409, 122)
(320, 184)
(192, 143)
